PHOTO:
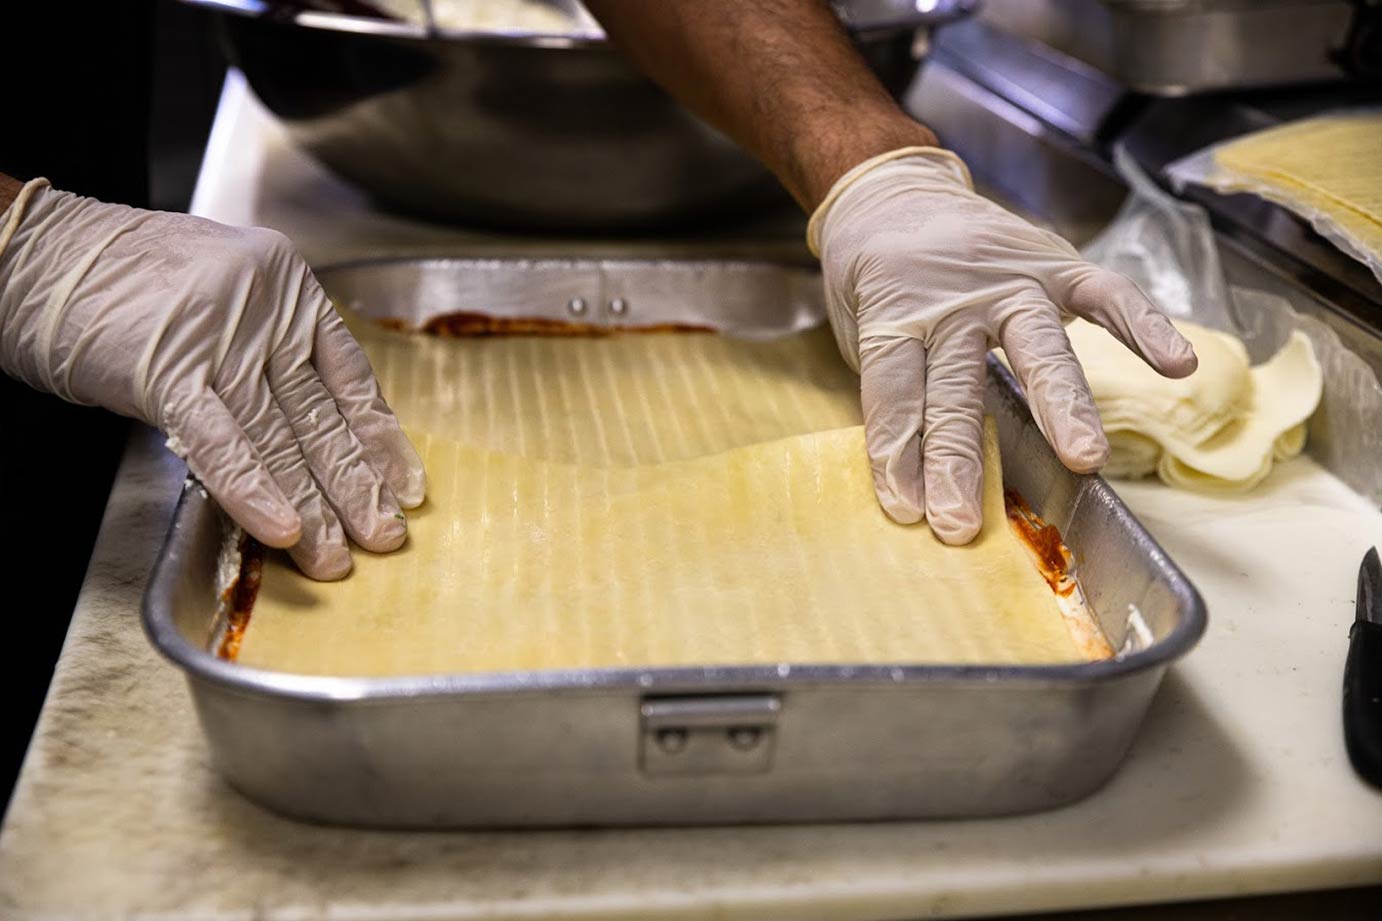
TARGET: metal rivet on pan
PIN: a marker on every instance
(671, 741)
(576, 305)
(618, 306)
(744, 738)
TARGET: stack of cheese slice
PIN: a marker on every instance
(1218, 430)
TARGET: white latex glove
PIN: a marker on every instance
(221, 337)
(922, 276)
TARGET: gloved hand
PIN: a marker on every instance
(221, 337)
(921, 277)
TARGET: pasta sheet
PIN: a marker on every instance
(649, 500)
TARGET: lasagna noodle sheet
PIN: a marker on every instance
(775, 552)
(620, 400)
(643, 500)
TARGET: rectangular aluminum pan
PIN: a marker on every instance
(721, 744)
(1176, 47)
(744, 298)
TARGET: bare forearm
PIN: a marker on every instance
(778, 76)
(9, 191)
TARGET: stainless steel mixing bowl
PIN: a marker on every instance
(516, 129)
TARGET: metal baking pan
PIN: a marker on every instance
(750, 299)
(712, 745)
(1175, 47)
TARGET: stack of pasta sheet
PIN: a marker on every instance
(1327, 169)
(651, 499)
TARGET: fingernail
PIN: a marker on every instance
(902, 513)
(1089, 448)
(391, 537)
(955, 531)
(898, 510)
(281, 521)
(1178, 350)
(324, 562)
(414, 487)
(391, 528)
(953, 501)
(894, 505)
(1090, 454)
(964, 479)
(333, 563)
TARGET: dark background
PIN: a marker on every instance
(111, 100)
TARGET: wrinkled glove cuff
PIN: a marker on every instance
(817, 223)
(9, 221)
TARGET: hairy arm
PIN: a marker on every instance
(9, 191)
(778, 76)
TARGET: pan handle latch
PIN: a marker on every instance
(709, 734)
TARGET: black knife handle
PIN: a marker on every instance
(1363, 700)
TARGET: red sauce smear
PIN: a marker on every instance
(1052, 556)
(239, 598)
(465, 325)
